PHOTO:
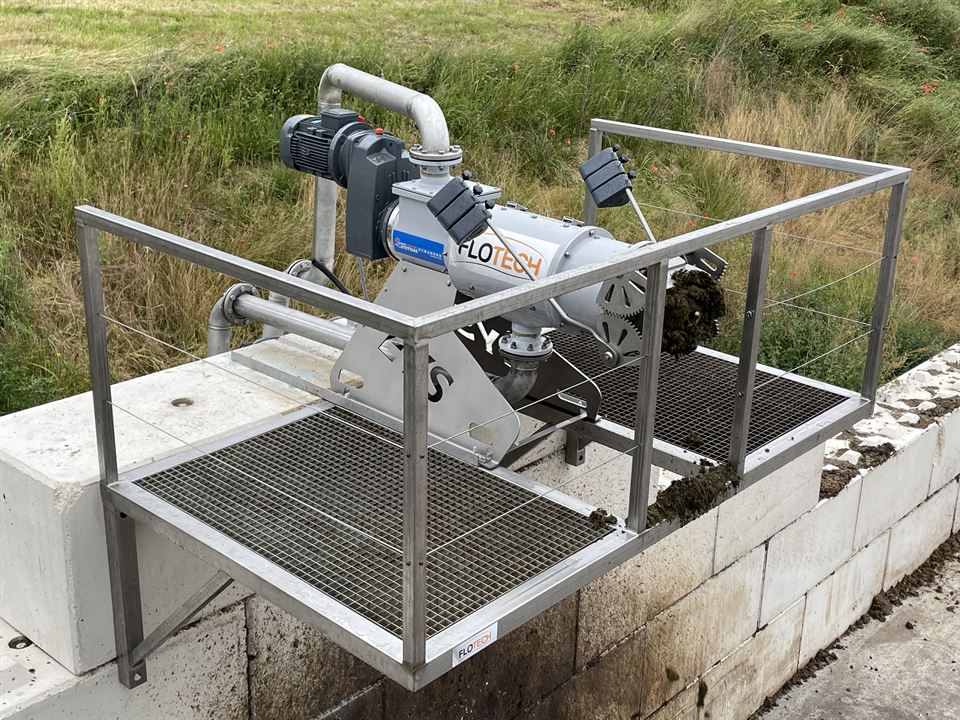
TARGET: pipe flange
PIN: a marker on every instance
(423, 158)
(230, 297)
(299, 268)
(525, 348)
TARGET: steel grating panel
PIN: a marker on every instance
(696, 395)
(322, 497)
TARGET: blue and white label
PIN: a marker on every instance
(471, 647)
(419, 248)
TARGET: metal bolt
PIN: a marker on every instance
(608, 355)
(749, 313)
(566, 254)
(513, 345)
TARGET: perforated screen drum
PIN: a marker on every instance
(696, 394)
(322, 498)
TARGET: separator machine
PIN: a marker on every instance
(386, 514)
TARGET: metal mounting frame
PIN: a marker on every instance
(415, 660)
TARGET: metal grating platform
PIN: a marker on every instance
(321, 497)
(696, 394)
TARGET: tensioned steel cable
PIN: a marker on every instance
(813, 360)
(536, 497)
(517, 410)
(207, 361)
(256, 479)
(802, 307)
(775, 232)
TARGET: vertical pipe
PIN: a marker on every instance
(415, 359)
(594, 144)
(654, 302)
(749, 346)
(324, 211)
(884, 293)
(120, 536)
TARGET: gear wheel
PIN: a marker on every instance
(620, 333)
(707, 261)
(623, 296)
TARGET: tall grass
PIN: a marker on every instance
(185, 140)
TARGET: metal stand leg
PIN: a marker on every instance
(653, 309)
(749, 347)
(594, 144)
(881, 301)
(120, 536)
(415, 361)
(574, 450)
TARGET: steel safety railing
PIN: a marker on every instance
(415, 665)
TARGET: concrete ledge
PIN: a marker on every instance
(201, 674)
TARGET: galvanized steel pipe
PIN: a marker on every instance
(292, 321)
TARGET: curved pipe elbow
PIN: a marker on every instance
(422, 109)
(518, 382)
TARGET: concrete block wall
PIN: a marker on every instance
(706, 623)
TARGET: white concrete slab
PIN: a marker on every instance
(702, 628)
(808, 550)
(839, 601)
(916, 536)
(767, 506)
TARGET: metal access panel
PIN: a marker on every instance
(308, 511)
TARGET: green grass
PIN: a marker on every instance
(170, 115)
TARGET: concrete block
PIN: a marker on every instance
(946, 464)
(837, 602)
(616, 604)
(56, 588)
(894, 488)
(809, 549)
(703, 627)
(738, 684)
(294, 672)
(682, 706)
(199, 674)
(915, 537)
(513, 673)
(607, 688)
(956, 516)
(364, 705)
(768, 506)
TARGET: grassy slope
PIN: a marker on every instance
(169, 115)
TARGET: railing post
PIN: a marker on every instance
(654, 300)
(120, 536)
(594, 145)
(884, 293)
(749, 347)
(415, 361)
